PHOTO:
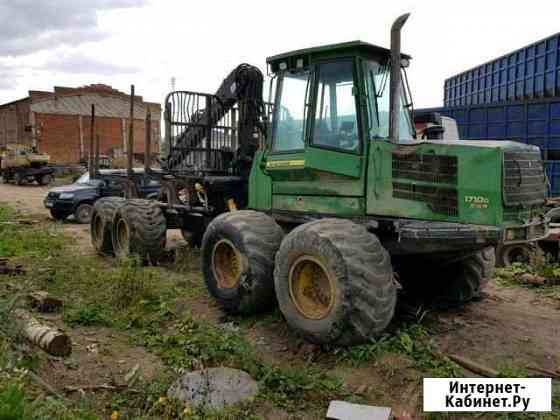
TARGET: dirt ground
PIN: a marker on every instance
(29, 199)
(509, 326)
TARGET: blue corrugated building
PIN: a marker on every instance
(532, 72)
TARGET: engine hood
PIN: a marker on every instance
(487, 144)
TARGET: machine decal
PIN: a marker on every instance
(477, 201)
(285, 163)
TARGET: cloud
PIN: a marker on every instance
(80, 63)
(8, 76)
(27, 26)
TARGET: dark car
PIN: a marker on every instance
(78, 198)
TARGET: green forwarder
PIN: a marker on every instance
(316, 199)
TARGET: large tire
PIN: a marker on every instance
(506, 255)
(238, 260)
(139, 228)
(464, 280)
(59, 214)
(334, 282)
(83, 213)
(102, 222)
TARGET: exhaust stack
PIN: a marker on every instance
(396, 83)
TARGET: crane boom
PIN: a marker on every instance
(215, 133)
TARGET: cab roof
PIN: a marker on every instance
(308, 55)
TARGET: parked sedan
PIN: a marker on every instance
(78, 198)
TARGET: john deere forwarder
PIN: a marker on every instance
(317, 199)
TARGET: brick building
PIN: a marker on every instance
(58, 122)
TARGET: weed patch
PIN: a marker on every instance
(88, 315)
(12, 401)
(27, 240)
(195, 344)
(413, 342)
(517, 272)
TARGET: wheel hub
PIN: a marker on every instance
(312, 287)
(226, 264)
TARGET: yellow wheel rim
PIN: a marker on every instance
(226, 264)
(312, 287)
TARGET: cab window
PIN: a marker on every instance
(336, 124)
(377, 81)
(291, 109)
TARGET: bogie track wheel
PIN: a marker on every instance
(464, 280)
(102, 222)
(238, 260)
(334, 282)
(139, 228)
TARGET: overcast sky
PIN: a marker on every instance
(118, 42)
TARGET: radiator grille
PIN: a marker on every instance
(440, 199)
(524, 179)
(425, 167)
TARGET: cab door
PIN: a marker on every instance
(316, 163)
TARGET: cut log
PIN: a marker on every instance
(473, 366)
(534, 279)
(51, 340)
(43, 302)
(102, 387)
(548, 373)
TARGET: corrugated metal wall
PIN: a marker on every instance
(531, 72)
(536, 123)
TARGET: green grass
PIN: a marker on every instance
(148, 304)
(17, 400)
(195, 344)
(512, 276)
(12, 401)
(27, 241)
(412, 341)
(16, 403)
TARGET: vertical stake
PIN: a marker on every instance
(130, 147)
(91, 140)
(97, 154)
(148, 143)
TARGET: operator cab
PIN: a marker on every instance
(333, 97)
